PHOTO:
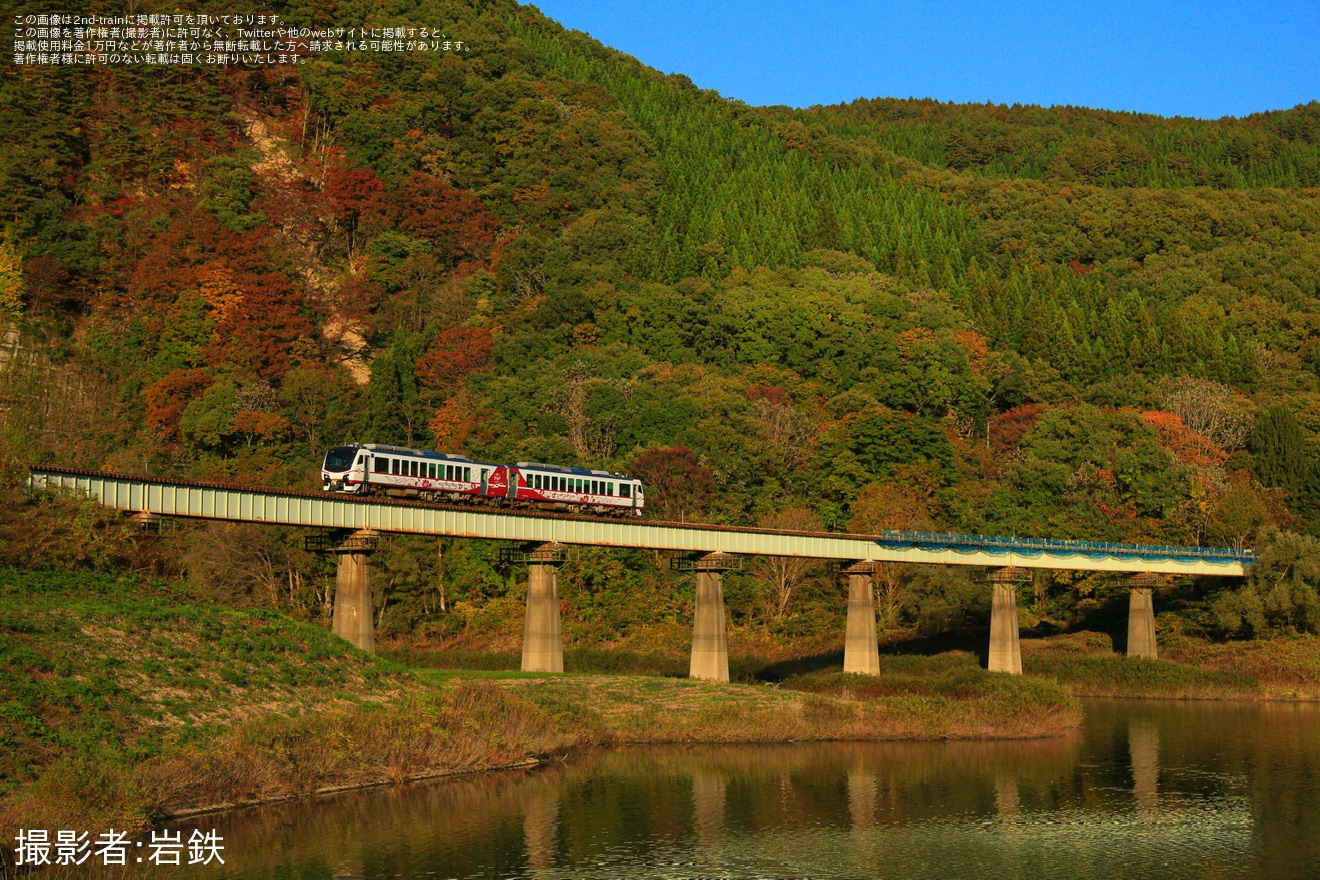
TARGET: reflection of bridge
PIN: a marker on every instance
(351, 525)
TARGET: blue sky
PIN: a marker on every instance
(1206, 59)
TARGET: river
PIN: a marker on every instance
(1142, 790)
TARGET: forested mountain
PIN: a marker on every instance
(1014, 320)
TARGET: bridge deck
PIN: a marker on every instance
(246, 504)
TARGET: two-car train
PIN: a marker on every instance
(373, 469)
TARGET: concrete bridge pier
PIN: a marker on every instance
(861, 653)
(543, 644)
(1005, 651)
(353, 614)
(1141, 617)
(710, 648)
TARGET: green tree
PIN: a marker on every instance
(392, 413)
(1279, 448)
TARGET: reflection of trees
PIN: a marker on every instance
(607, 800)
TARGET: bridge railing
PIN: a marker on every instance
(1054, 545)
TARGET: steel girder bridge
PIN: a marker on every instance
(709, 550)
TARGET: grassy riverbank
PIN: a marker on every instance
(121, 701)
(1087, 664)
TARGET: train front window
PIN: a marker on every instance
(340, 458)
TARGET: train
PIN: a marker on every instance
(401, 472)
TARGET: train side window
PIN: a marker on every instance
(577, 485)
(595, 487)
(623, 490)
(382, 466)
(467, 474)
(609, 489)
(412, 469)
(394, 466)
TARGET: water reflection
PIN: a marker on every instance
(1144, 750)
(541, 831)
(1143, 791)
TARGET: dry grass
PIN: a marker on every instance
(1286, 668)
(470, 726)
(822, 707)
(1086, 664)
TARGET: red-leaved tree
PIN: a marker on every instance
(452, 355)
(677, 484)
(456, 222)
(170, 396)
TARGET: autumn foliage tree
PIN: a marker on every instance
(457, 421)
(357, 196)
(452, 355)
(258, 330)
(455, 222)
(1186, 445)
(676, 483)
(170, 396)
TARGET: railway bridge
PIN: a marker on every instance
(351, 528)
